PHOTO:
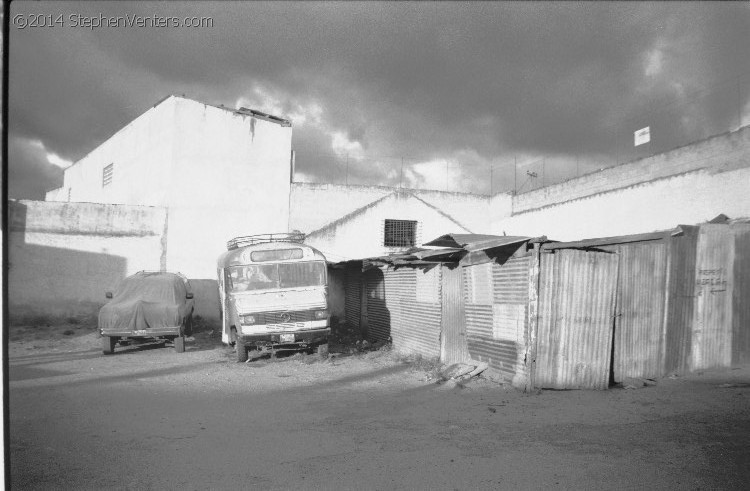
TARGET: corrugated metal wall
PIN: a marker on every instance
(741, 296)
(454, 348)
(397, 311)
(712, 315)
(639, 321)
(378, 316)
(415, 325)
(576, 309)
(680, 300)
(352, 294)
(496, 297)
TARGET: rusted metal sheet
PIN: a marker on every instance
(378, 317)
(741, 296)
(639, 324)
(415, 324)
(576, 308)
(454, 347)
(712, 315)
(680, 300)
(352, 294)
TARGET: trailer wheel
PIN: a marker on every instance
(108, 344)
(179, 344)
(241, 351)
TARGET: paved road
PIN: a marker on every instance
(149, 418)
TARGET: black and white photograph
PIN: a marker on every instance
(376, 245)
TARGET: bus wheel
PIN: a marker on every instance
(241, 351)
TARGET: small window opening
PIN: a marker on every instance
(400, 233)
(107, 174)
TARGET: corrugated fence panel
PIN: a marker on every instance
(712, 322)
(415, 325)
(682, 251)
(640, 310)
(577, 295)
(378, 316)
(741, 296)
(352, 295)
(511, 281)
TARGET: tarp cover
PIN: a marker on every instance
(146, 301)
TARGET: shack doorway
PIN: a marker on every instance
(576, 310)
(453, 345)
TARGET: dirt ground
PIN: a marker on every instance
(150, 418)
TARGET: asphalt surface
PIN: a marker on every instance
(150, 418)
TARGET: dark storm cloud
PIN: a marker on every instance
(425, 80)
(30, 171)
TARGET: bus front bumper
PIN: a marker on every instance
(285, 340)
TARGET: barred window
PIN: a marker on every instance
(107, 174)
(400, 233)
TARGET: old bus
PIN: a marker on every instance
(274, 295)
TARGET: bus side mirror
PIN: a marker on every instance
(108, 294)
(189, 296)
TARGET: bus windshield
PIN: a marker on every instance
(271, 276)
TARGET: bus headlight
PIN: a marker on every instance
(321, 314)
(248, 320)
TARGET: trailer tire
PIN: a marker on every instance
(241, 351)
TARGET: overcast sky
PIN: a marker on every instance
(460, 91)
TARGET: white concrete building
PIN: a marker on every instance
(219, 173)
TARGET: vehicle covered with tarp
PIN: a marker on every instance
(148, 305)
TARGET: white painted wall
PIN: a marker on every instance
(333, 201)
(230, 177)
(361, 236)
(689, 198)
(63, 257)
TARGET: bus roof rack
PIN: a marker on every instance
(247, 240)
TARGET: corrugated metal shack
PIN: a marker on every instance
(565, 315)
(467, 301)
(643, 306)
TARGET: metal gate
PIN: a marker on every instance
(640, 328)
(576, 310)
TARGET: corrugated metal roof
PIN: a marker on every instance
(476, 242)
(621, 239)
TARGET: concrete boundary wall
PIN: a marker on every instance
(693, 197)
(719, 153)
(63, 257)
